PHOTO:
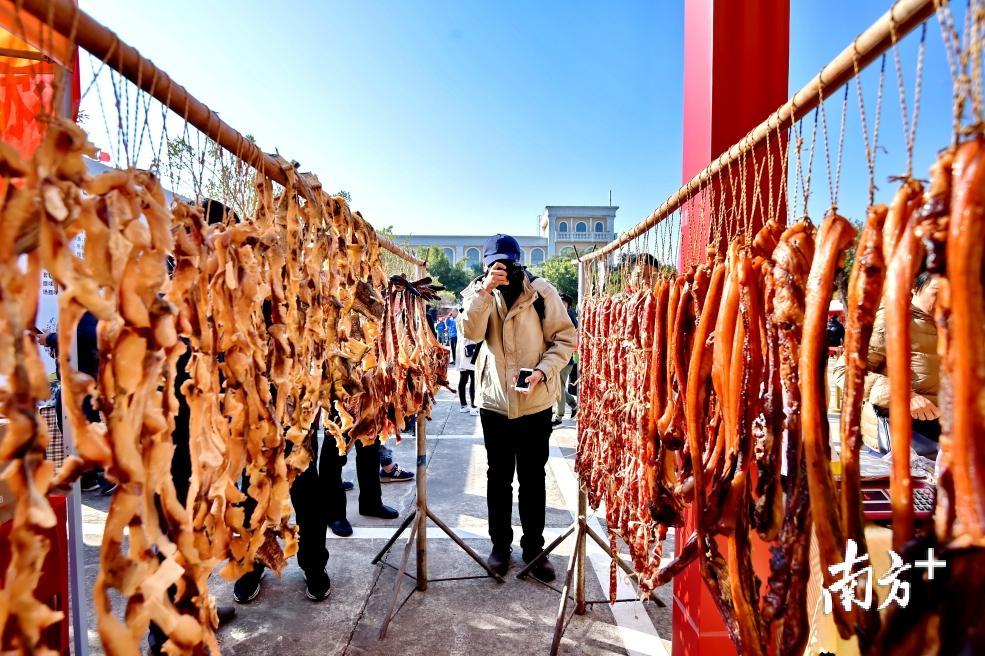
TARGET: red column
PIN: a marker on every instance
(735, 75)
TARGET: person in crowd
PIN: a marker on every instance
(370, 476)
(451, 329)
(308, 492)
(441, 330)
(181, 460)
(643, 269)
(181, 473)
(835, 331)
(87, 349)
(390, 471)
(467, 350)
(523, 325)
(563, 398)
(925, 381)
(432, 315)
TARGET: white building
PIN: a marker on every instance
(562, 230)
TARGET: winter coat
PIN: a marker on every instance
(514, 339)
(924, 367)
(463, 362)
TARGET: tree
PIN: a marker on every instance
(453, 278)
(214, 173)
(561, 273)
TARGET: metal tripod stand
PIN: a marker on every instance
(576, 571)
(417, 520)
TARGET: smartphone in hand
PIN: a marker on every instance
(522, 384)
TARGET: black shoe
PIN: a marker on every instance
(106, 488)
(226, 614)
(499, 560)
(383, 512)
(556, 422)
(348, 486)
(542, 571)
(317, 585)
(341, 527)
(247, 587)
(574, 413)
(89, 482)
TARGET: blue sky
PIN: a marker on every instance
(466, 117)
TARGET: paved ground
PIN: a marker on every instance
(472, 617)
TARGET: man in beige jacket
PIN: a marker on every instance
(522, 324)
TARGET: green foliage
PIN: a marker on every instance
(560, 272)
(454, 278)
(348, 198)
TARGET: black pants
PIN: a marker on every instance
(519, 445)
(466, 378)
(368, 462)
(453, 342)
(316, 494)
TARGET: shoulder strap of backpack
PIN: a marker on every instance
(538, 299)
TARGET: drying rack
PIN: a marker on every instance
(417, 540)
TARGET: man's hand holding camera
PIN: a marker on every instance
(495, 277)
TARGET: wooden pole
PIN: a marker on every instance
(901, 19)
(579, 553)
(388, 245)
(422, 503)
(76, 572)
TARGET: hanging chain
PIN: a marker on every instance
(909, 125)
(977, 10)
(798, 164)
(834, 173)
(952, 48)
(784, 166)
(870, 148)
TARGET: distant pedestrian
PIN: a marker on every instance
(465, 355)
(441, 330)
(563, 398)
(835, 331)
(451, 329)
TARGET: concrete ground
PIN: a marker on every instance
(472, 617)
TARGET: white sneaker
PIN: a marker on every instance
(464, 409)
(474, 412)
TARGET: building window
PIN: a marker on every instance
(599, 227)
(523, 256)
(537, 256)
(562, 226)
(568, 252)
(581, 227)
(473, 256)
(450, 254)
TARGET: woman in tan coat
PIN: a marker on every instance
(924, 365)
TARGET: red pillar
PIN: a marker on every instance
(735, 75)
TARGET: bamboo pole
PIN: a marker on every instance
(388, 245)
(902, 18)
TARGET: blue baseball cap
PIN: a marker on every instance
(499, 248)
